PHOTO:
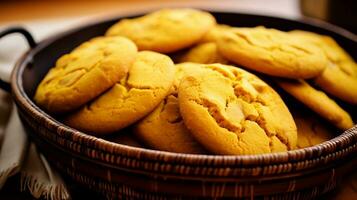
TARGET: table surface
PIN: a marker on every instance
(43, 18)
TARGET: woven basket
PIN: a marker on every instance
(120, 171)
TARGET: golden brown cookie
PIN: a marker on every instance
(272, 52)
(340, 76)
(311, 129)
(69, 84)
(317, 101)
(164, 128)
(205, 53)
(147, 84)
(166, 30)
(231, 111)
(335, 82)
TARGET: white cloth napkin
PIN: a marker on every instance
(13, 148)
(19, 155)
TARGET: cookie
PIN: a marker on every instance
(213, 33)
(166, 30)
(317, 101)
(69, 84)
(272, 52)
(148, 82)
(336, 83)
(311, 129)
(231, 111)
(205, 53)
(339, 79)
(164, 128)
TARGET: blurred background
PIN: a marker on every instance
(21, 10)
(45, 17)
(37, 9)
(342, 13)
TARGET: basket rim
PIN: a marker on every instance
(346, 139)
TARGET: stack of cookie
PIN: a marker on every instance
(208, 102)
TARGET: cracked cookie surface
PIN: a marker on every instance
(166, 30)
(136, 95)
(317, 101)
(69, 84)
(340, 76)
(272, 52)
(231, 111)
(164, 128)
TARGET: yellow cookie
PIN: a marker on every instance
(205, 53)
(166, 30)
(231, 111)
(69, 84)
(164, 128)
(340, 76)
(317, 101)
(311, 129)
(147, 84)
(213, 33)
(272, 52)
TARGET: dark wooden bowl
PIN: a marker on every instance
(122, 171)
